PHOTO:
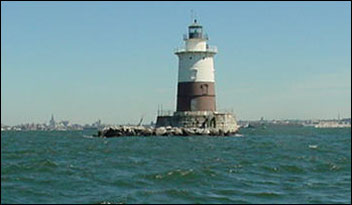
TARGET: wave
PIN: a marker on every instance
(88, 136)
(313, 146)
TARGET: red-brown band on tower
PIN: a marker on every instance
(196, 96)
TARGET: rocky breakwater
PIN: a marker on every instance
(119, 131)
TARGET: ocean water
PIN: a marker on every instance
(273, 165)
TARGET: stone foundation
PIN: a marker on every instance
(200, 119)
(204, 123)
(120, 131)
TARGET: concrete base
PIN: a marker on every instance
(200, 119)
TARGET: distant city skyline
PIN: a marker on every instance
(114, 61)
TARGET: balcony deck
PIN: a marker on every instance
(210, 49)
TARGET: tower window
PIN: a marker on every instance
(193, 74)
(204, 88)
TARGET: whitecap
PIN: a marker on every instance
(88, 136)
(313, 146)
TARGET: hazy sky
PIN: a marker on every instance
(114, 61)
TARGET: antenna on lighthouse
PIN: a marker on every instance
(192, 16)
(195, 17)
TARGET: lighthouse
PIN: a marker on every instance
(196, 82)
(196, 104)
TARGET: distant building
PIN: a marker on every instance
(97, 123)
(52, 122)
(65, 123)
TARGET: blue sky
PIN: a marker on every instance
(114, 61)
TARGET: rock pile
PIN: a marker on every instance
(119, 131)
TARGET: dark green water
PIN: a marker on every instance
(275, 165)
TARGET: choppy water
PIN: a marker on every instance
(274, 165)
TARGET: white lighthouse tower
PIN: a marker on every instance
(195, 89)
(196, 105)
